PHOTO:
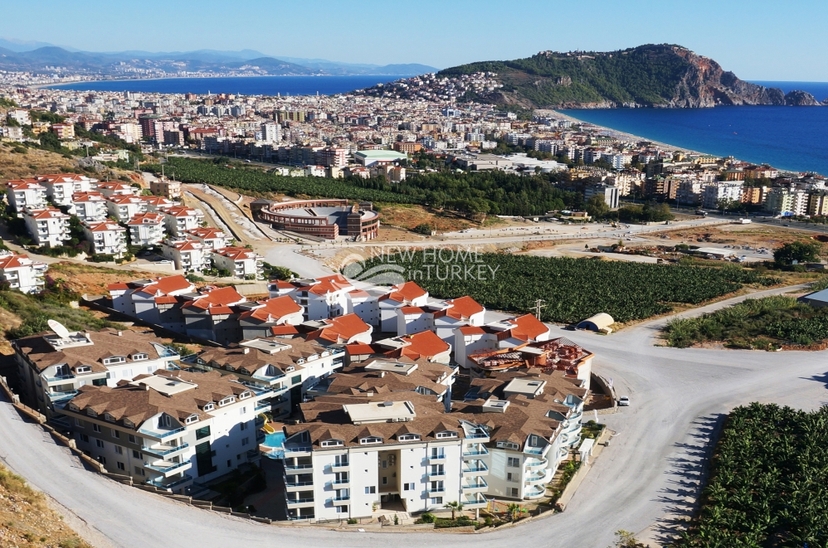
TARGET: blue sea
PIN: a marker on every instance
(258, 85)
(791, 138)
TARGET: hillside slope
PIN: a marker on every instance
(650, 75)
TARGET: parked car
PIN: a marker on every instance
(623, 401)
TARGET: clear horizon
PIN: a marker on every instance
(757, 40)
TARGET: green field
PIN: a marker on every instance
(755, 323)
(573, 289)
(767, 484)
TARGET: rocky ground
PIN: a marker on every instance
(27, 519)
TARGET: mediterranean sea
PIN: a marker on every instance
(789, 138)
(251, 85)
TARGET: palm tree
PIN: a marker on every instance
(454, 507)
(514, 510)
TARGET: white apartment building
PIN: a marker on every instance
(507, 333)
(62, 186)
(180, 219)
(153, 301)
(124, 207)
(785, 202)
(22, 273)
(441, 317)
(168, 429)
(322, 298)
(505, 439)
(155, 203)
(213, 238)
(25, 193)
(89, 206)
(53, 367)
(47, 226)
(107, 238)
(188, 255)
(727, 191)
(146, 229)
(407, 294)
(239, 261)
(114, 188)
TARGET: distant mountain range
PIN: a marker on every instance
(43, 58)
(652, 75)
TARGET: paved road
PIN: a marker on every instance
(644, 482)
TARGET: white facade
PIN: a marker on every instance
(239, 261)
(123, 208)
(146, 229)
(107, 238)
(22, 273)
(179, 219)
(89, 206)
(188, 255)
(730, 191)
(49, 226)
(27, 193)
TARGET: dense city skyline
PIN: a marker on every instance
(756, 40)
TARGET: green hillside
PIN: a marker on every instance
(646, 75)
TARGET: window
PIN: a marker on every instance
(113, 360)
(408, 437)
(203, 432)
(208, 407)
(243, 410)
(514, 462)
(436, 501)
(102, 460)
(99, 443)
(96, 427)
(191, 419)
(342, 509)
(507, 445)
(408, 486)
(446, 435)
(121, 466)
(136, 454)
(131, 438)
(83, 369)
(79, 423)
(139, 471)
(509, 477)
(385, 480)
(245, 441)
(370, 440)
(438, 453)
(371, 490)
(119, 450)
(341, 460)
(139, 357)
(331, 443)
(84, 438)
(296, 380)
(229, 463)
(243, 426)
(116, 434)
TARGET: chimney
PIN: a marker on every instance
(247, 350)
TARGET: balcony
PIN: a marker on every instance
(475, 468)
(341, 484)
(58, 378)
(475, 452)
(534, 450)
(62, 397)
(437, 490)
(160, 434)
(536, 478)
(438, 475)
(341, 501)
(164, 483)
(341, 467)
(294, 486)
(471, 485)
(297, 451)
(168, 468)
(536, 464)
(474, 501)
(297, 468)
(477, 436)
(300, 503)
(534, 492)
(441, 458)
(164, 450)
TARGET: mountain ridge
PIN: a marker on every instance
(651, 75)
(48, 58)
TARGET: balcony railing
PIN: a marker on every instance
(160, 483)
(160, 433)
(163, 451)
(174, 467)
(297, 467)
(475, 467)
(477, 452)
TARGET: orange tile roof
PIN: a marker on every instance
(406, 292)
(217, 301)
(283, 330)
(472, 330)
(341, 329)
(463, 308)
(274, 309)
(425, 344)
(527, 327)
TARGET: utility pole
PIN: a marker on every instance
(539, 304)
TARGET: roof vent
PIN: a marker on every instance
(247, 351)
(387, 404)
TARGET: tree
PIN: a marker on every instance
(796, 253)
(597, 207)
(454, 507)
(514, 509)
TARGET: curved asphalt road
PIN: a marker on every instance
(643, 482)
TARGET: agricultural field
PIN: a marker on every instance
(765, 324)
(573, 289)
(767, 481)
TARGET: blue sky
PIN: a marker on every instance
(758, 39)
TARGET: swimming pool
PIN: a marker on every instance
(276, 440)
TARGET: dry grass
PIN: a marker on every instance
(27, 520)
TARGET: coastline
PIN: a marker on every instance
(623, 135)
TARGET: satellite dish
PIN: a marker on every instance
(58, 328)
